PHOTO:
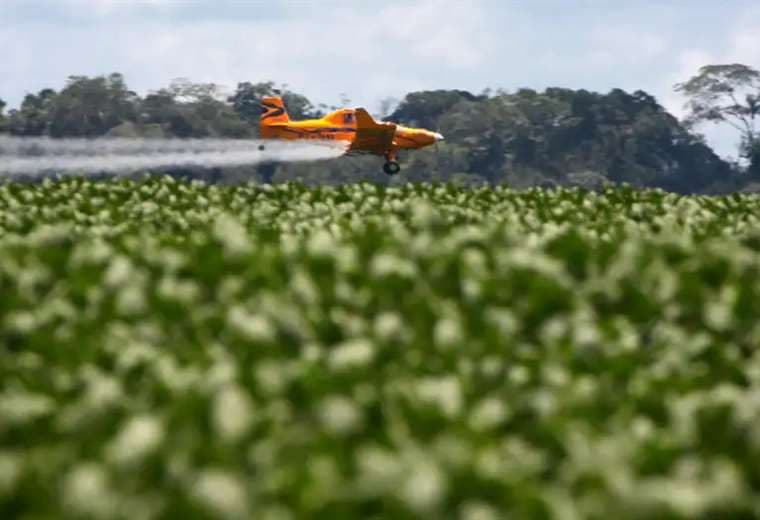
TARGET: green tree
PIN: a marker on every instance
(185, 91)
(90, 107)
(3, 120)
(563, 136)
(424, 108)
(159, 109)
(187, 109)
(246, 101)
(727, 94)
(33, 116)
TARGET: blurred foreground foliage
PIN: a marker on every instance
(421, 351)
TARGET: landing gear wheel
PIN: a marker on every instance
(261, 148)
(391, 168)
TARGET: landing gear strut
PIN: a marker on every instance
(391, 168)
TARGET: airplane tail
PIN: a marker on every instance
(273, 111)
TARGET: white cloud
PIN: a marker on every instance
(371, 51)
(746, 46)
(103, 8)
(687, 64)
(611, 46)
(369, 55)
(439, 30)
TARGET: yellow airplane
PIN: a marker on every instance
(352, 125)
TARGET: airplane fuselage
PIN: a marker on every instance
(341, 126)
(351, 125)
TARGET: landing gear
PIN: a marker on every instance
(261, 148)
(391, 168)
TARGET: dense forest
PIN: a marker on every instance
(522, 138)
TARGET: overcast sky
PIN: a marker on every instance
(371, 49)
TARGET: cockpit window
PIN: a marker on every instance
(348, 117)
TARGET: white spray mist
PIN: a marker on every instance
(39, 155)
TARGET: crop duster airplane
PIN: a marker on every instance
(352, 125)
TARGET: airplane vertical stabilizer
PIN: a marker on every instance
(273, 111)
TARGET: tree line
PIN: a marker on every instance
(523, 138)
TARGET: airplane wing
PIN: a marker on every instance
(371, 136)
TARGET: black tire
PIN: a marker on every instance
(261, 147)
(391, 168)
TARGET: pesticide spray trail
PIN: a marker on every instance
(36, 155)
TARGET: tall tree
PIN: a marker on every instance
(34, 115)
(187, 109)
(424, 108)
(727, 94)
(161, 110)
(185, 91)
(3, 121)
(247, 97)
(89, 107)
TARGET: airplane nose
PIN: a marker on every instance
(438, 137)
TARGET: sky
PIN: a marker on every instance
(370, 50)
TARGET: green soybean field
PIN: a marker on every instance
(175, 349)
